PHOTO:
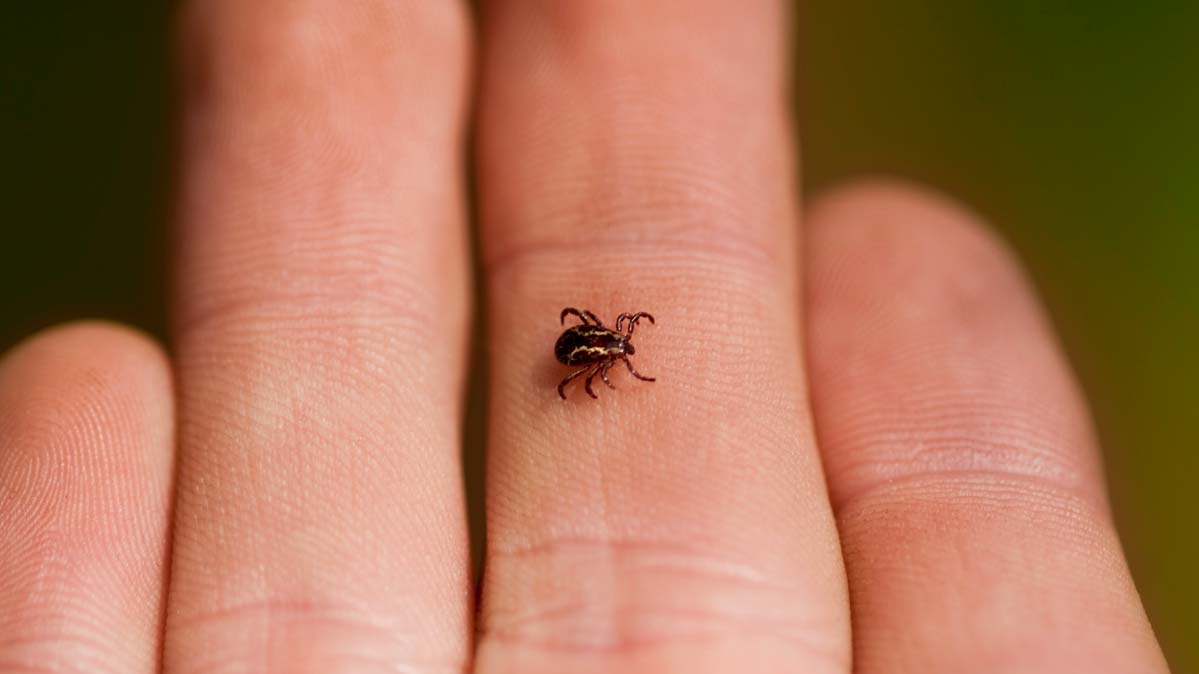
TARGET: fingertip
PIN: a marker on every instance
(90, 332)
(86, 435)
(91, 396)
(913, 222)
(886, 191)
(106, 359)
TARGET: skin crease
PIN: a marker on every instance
(884, 468)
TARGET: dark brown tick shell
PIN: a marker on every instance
(582, 344)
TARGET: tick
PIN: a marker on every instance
(596, 347)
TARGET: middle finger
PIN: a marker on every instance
(637, 157)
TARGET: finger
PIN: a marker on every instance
(320, 313)
(958, 452)
(636, 157)
(86, 435)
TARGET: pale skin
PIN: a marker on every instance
(864, 451)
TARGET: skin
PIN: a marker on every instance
(874, 459)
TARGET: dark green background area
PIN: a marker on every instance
(1073, 127)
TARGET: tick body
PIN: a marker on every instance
(596, 348)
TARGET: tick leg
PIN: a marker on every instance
(633, 321)
(587, 384)
(635, 372)
(569, 311)
(567, 380)
(590, 315)
(603, 372)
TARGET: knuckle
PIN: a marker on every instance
(706, 227)
(300, 636)
(311, 365)
(71, 647)
(980, 517)
(642, 596)
(972, 429)
(357, 280)
(304, 134)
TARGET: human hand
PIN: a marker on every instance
(893, 443)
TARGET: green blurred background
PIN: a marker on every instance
(1074, 128)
